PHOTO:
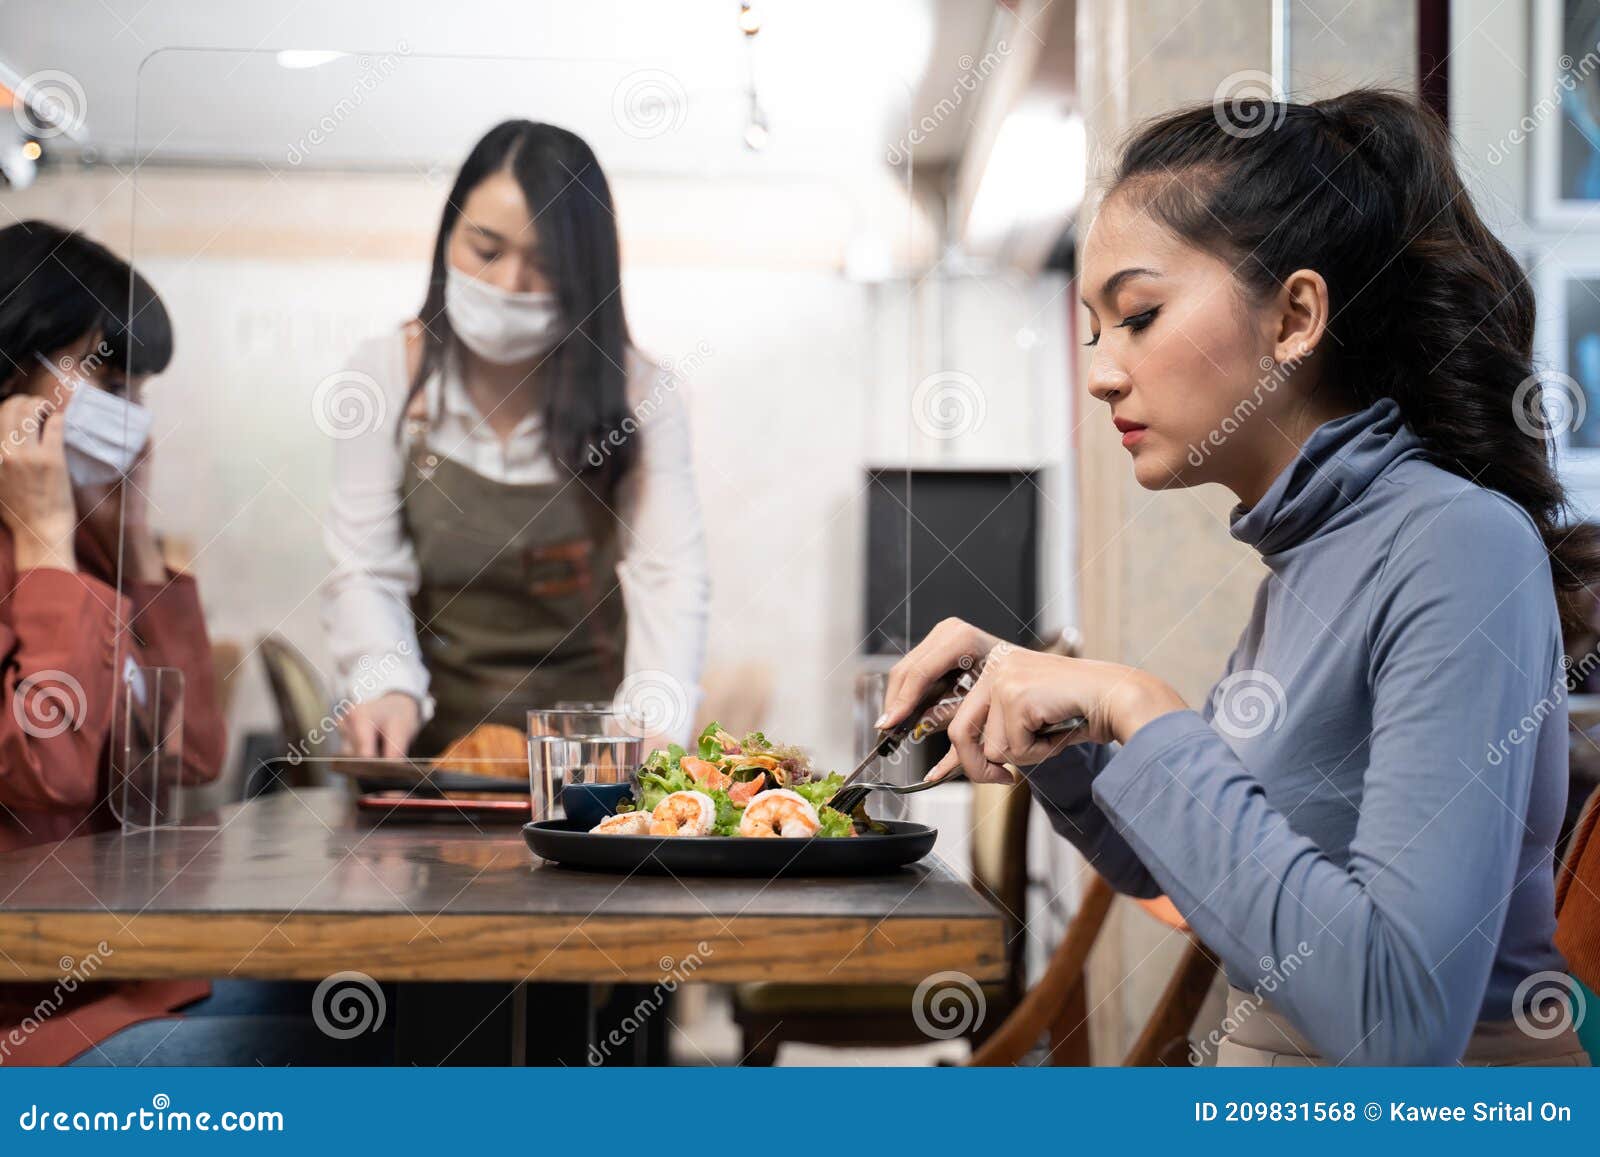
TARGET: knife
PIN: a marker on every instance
(941, 704)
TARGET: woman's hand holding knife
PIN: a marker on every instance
(1017, 693)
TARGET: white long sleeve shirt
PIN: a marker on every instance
(366, 601)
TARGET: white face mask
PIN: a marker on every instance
(104, 433)
(499, 327)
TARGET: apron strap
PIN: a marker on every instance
(414, 426)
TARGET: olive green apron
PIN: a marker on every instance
(518, 604)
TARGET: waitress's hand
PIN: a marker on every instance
(35, 491)
(381, 728)
(1021, 691)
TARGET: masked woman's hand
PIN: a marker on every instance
(1021, 691)
(35, 491)
(121, 510)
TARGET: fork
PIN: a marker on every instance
(849, 797)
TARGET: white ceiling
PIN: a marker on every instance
(839, 80)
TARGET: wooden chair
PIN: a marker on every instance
(1056, 1008)
(225, 657)
(768, 1015)
(300, 697)
(1578, 918)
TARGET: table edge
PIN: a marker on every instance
(51, 944)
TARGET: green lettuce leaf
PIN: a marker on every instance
(727, 823)
(835, 824)
(663, 759)
(819, 791)
(708, 744)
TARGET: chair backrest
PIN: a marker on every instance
(297, 691)
(1578, 918)
(226, 655)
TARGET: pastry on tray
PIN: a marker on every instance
(492, 750)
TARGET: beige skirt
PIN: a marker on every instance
(1263, 1036)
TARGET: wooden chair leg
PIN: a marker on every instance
(1175, 1012)
(759, 1043)
(1069, 1032)
(1042, 1006)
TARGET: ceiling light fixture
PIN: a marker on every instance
(755, 125)
(755, 129)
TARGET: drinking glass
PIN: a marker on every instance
(901, 767)
(605, 760)
(542, 786)
(601, 759)
(569, 721)
(596, 772)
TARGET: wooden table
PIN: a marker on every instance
(300, 885)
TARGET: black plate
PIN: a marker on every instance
(905, 843)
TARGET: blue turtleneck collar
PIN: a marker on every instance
(1327, 477)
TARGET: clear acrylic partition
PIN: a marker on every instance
(980, 498)
(285, 206)
(147, 789)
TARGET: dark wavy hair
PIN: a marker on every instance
(583, 378)
(59, 287)
(1427, 306)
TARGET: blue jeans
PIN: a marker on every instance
(242, 1023)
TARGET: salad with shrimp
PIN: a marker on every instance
(731, 787)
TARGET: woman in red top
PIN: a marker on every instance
(70, 633)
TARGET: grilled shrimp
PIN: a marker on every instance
(624, 824)
(779, 812)
(684, 813)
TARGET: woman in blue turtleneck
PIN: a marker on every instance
(1361, 818)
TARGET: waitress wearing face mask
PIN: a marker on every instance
(521, 527)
